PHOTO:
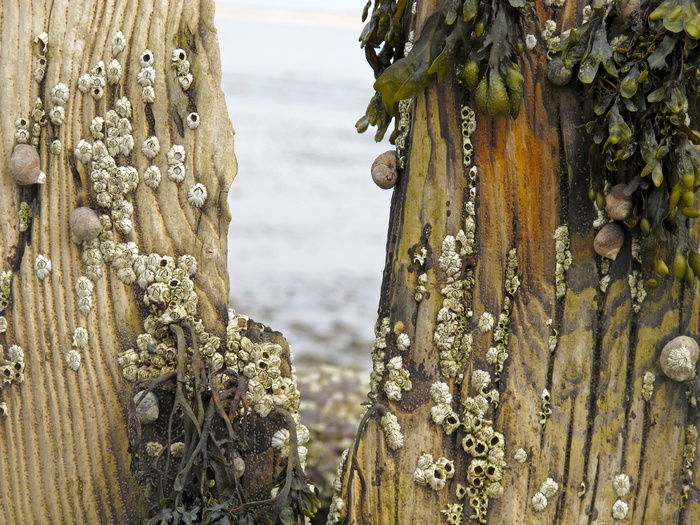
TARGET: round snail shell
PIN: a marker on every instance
(24, 165)
(147, 410)
(618, 205)
(85, 224)
(384, 172)
(679, 357)
(609, 240)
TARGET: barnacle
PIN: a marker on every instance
(539, 502)
(59, 94)
(122, 106)
(118, 43)
(150, 147)
(146, 77)
(73, 359)
(176, 155)
(114, 72)
(42, 266)
(619, 510)
(192, 120)
(148, 94)
(152, 176)
(392, 431)
(621, 485)
(146, 58)
(80, 337)
(197, 194)
(185, 81)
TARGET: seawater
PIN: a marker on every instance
(308, 233)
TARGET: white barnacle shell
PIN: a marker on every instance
(80, 337)
(485, 322)
(549, 488)
(621, 485)
(126, 144)
(539, 502)
(83, 286)
(56, 147)
(85, 305)
(150, 147)
(83, 151)
(42, 267)
(520, 455)
(148, 94)
(97, 92)
(22, 136)
(176, 154)
(85, 83)
(192, 120)
(197, 195)
(118, 43)
(188, 263)
(73, 359)
(182, 67)
(179, 55)
(123, 108)
(176, 172)
(153, 448)
(403, 341)
(146, 58)
(57, 114)
(114, 71)
(3, 324)
(152, 176)
(185, 81)
(146, 76)
(619, 510)
(97, 127)
(59, 94)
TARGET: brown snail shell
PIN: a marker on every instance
(618, 205)
(147, 410)
(384, 172)
(557, 73)
(679, 357)
(85, 224)
(609, 240)
(25, 165)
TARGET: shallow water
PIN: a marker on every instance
(308, 234)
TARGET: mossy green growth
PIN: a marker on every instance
(642, 97)
(481, 39)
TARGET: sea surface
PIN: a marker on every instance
(308, 234)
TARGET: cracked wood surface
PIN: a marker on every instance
(532, 179)
(63, 447)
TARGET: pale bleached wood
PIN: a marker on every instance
(63, 447)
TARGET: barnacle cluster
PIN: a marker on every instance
(176, 165)
(546, 410)
(12, 365)
(641, 81)
(403, 129)
(280, 440)
(547, 491)
(181, 66)
(83, 291)
(637, 290)
(442, 413)
(480, 39)
(5, 289)
(261, 363)
(497, 354)
(24, 216)
(392, 431)
(563, 259)
(453, 513)
(648, 386)
(41, 46)
(146, 77)
(381, 331)
(450, 336)
(42, 266)
(689, 448)
(433, 473)
(486, 447)
(398, 379)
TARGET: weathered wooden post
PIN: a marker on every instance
(516, 375)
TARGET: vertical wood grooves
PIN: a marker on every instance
(64, 442)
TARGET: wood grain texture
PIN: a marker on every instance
(533, 174)
(63, 446)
